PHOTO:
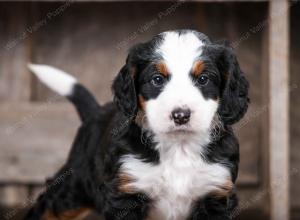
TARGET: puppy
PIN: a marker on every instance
(164, 149)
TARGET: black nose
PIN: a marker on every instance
(181, 115)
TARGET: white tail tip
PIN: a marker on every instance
(55, 79)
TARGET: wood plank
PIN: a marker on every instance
(279, 109)
(15, 82)
(264, 153)
(12, 195)
(295, 106)
(35, 140)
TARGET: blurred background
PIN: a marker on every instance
(91, 39)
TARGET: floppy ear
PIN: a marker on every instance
(234, 98)
(124, 91)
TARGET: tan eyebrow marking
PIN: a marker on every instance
(163, 69)
(198, 68)
(142, 102)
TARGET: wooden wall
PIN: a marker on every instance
(90, 41)
(295, 105)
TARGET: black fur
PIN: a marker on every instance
(234, 86)
(109, 132)
(124, 88)
(84, 101)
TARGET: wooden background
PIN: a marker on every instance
(90, 40)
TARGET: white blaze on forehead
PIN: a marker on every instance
(180, 51)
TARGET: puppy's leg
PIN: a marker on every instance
(210, 209)
(63, 200)
(127, 207)
(214, 208)
(57, 209)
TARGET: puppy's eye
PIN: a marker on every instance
(157, 80)
(202, 80)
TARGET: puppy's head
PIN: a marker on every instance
(182, 83)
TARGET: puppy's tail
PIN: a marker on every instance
(66, 85)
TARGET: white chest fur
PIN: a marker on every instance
(176, 182)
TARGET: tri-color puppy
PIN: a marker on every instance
(164, 149)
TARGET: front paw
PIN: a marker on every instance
(199, 213)
(211, 208)
(130, 207)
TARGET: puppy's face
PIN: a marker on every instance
(182, 82)
(179, 90)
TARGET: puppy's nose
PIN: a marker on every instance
(181, 115)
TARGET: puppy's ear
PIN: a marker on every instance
(124, 91)
(234, 97)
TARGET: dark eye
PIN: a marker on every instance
(202, 80)
(158, 80)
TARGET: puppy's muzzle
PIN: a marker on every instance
(181, 115)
